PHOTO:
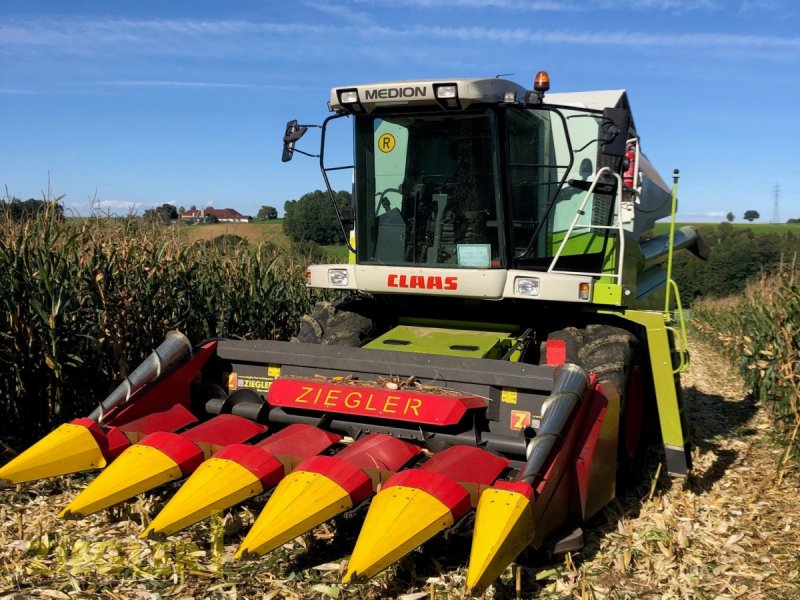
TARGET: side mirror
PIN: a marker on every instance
(614, 131)
(348, 216)
(293, 133)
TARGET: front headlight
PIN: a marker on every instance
(526, 286)
(338, 277)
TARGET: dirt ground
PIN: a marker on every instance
(728, 531)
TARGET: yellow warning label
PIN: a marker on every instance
(386, 142)
(273, 371)
(509, 396)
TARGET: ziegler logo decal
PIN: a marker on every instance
(422, 282)
(416, 406)
(259, 384)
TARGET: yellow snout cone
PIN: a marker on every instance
(300, 502)
(138, 469)
(217, 484)
(68, 449)
(399, 519)
(503, 529)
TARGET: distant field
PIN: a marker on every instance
(757, 228)
(271, 231)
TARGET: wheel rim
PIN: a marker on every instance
(634, 412)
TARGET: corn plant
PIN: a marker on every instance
(760, 329)
(83, 301)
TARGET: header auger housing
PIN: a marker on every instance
(505, 345)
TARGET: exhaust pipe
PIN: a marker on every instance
(175, 347)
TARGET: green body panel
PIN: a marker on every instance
(607, 293)
(477, 326)
(444, 342)
(667, 388)
(580, 242)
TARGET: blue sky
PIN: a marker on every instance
(134, 103)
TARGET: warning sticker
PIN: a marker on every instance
(509, 396)
(386, 143)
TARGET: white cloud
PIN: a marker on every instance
(187, 84)
(560, 5)
(195, 38)
(94, 206)
(581, 38)
(515, 5)
(151, 36)
(712, 214)
(339, 10)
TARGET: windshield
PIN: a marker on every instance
(552, 158)
(430, 192)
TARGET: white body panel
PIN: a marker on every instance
(461, 283)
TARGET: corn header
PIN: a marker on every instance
(506, 347)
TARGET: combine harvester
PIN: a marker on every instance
(506, 351)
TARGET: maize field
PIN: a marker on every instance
(83, 301)
(760, 331)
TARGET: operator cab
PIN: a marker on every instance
(475, 173)
(482, 175)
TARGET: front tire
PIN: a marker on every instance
(349, 321)
(615, 354)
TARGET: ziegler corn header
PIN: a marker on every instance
(503, 354)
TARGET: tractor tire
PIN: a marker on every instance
(614, 354)
(349, 321)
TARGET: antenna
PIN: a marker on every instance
(776, 194)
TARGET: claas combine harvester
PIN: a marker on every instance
(505, 351)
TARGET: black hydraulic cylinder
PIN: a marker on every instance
(570, 387)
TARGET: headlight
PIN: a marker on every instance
(338, 277)
(446, 91)
(349, 97)
(526, 286)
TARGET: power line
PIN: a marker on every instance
(776, 194)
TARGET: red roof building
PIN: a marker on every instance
(224, 215)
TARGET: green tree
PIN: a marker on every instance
(166, 213)
(751, 215)
(730, 217)
(19, 210)
(738, 256)
(267, 212)
(312, 218)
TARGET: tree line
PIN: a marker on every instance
(738, 256)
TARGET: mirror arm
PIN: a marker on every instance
(305, 153)
(324, 170)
